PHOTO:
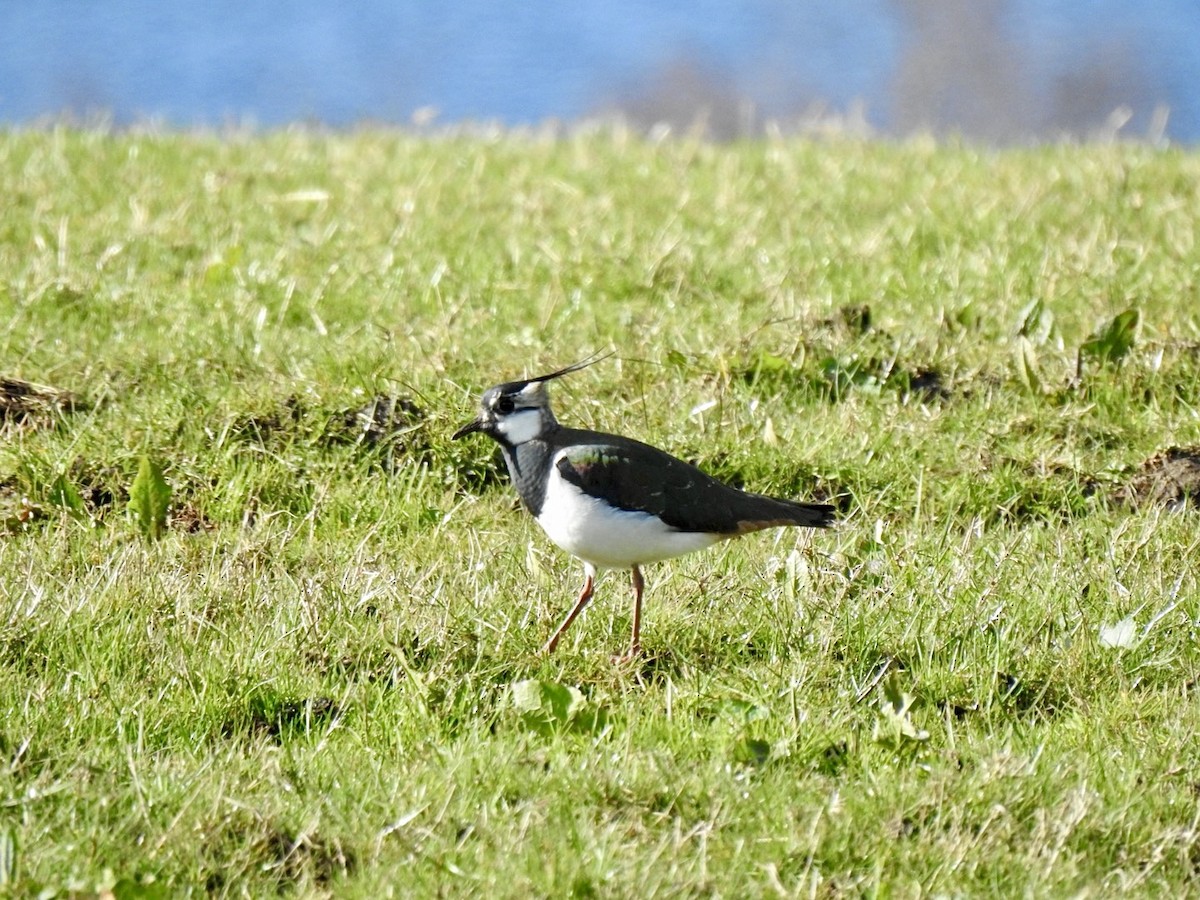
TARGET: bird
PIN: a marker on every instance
(614, 502)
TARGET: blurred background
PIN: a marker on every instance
(996, 71)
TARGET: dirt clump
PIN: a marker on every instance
(27, 405)
(1170, 477)
(383, 420)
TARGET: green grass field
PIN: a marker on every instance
(323, 677)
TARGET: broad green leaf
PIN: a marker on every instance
(1025, 360)
(559, 700)
(751, 752)
(548, 706)
(66, 496)
(149, 498)
(894, 728)
(744, 710)
(590, 719)
(966, 316)
(1037, 323)
(895, 700)
(1113, 340)
(544, 705)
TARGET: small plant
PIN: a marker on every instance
(66, 496)
(895, 728)
(1111, 342)
(1037, 323)
(149, 499)
(1025, 361)
(548, 707)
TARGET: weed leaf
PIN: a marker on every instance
(966, 317)
(676, 359)
(1026, 363)
(1113, 340)
(149, 498)
(1037, 323)
(548, 707)
(744, 710)
(895, 701)
(66, 496)
(751, 752)
(894, 728)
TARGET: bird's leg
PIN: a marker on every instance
(585, 596)
(635, 646)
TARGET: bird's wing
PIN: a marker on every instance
(637, 477)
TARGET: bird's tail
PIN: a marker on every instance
(771, 512)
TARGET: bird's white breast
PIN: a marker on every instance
(610, 538)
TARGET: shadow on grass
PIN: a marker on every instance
(243, 843)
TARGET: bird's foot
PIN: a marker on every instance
(633, 654)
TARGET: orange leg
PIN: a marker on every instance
(585, 596)
(635, 646)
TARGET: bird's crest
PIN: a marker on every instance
(536, 382)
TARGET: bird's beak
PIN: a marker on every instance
(469, 428)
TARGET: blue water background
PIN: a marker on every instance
(1056, 65)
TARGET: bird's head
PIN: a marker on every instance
(518, 411)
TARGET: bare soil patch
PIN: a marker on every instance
(1170, 477)
(27, 405)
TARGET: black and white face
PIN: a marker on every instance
(519, 411)
(512, 413)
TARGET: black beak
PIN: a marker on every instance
(469, 428)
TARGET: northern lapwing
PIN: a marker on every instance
(613, 502)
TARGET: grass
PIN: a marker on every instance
(324, 677)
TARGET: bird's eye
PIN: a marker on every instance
(505, 405)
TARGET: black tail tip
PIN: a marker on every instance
(824, 515)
